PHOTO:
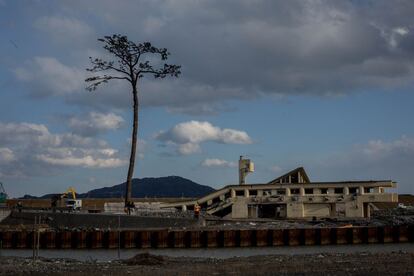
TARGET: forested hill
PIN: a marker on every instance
(169, 186)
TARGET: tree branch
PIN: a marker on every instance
(101, 65)
(98, 80)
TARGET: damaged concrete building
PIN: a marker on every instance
(293, 195)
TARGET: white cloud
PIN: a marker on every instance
(377, 159)
(64, 29)
(394, 35)
(94, 123)
(303, 47)
(6, 155)
(379, 149)
(48, 76)
(189, 135)
(401, 31)
(374, 154)
(188, 148)
(214, 162)
(85, 161)
(197, 132)
(32, 149)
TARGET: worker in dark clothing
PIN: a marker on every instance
(19, 206)
(129, 207)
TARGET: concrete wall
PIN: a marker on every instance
(317, 210)
(307, 206)
(239, 208)
(104, 221)
(354, 208)
(295, 210)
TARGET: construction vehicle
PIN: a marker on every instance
(3, 196)
(67, 200)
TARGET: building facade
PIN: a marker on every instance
(293, 195)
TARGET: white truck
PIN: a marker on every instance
(73, 204)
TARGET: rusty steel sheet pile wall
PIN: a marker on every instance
(207, 238)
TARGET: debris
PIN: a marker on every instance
(145, 259)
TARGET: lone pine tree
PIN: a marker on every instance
(130, 64)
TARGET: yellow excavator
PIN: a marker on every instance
(67, 200)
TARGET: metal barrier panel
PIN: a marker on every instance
(7, 239)
(31, 239)
(80, 239)
(128, 239)
(179, 239)
(277, 237)
(64, 240)
(96, 239)
(212, 238)
(262, 237)
(246, 238)
(195, 239)
(229, 238)
(21, 239)
(388, 234)
(145, 239)
(49, 239)
(325, 236)
(341, 235)
(161, 239)
(357, 235)
(372, 233)
(403, 233)
(113, 239)
(293, 236)
(411, 233)
(309, 236)
(170, 239)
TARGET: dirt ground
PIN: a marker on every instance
(396, 263)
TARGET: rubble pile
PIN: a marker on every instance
(396, 216)
(145, 259)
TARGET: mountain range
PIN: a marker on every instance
(169, 186)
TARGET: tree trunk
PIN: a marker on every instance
(128, 190)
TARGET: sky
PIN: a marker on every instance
(327, 85)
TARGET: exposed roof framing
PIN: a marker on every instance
(297, 175)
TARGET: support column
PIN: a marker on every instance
(288, 191)
(346, 191)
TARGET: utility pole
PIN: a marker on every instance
(34, 238)
(119, 236)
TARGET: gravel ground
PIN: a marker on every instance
(395, 263)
